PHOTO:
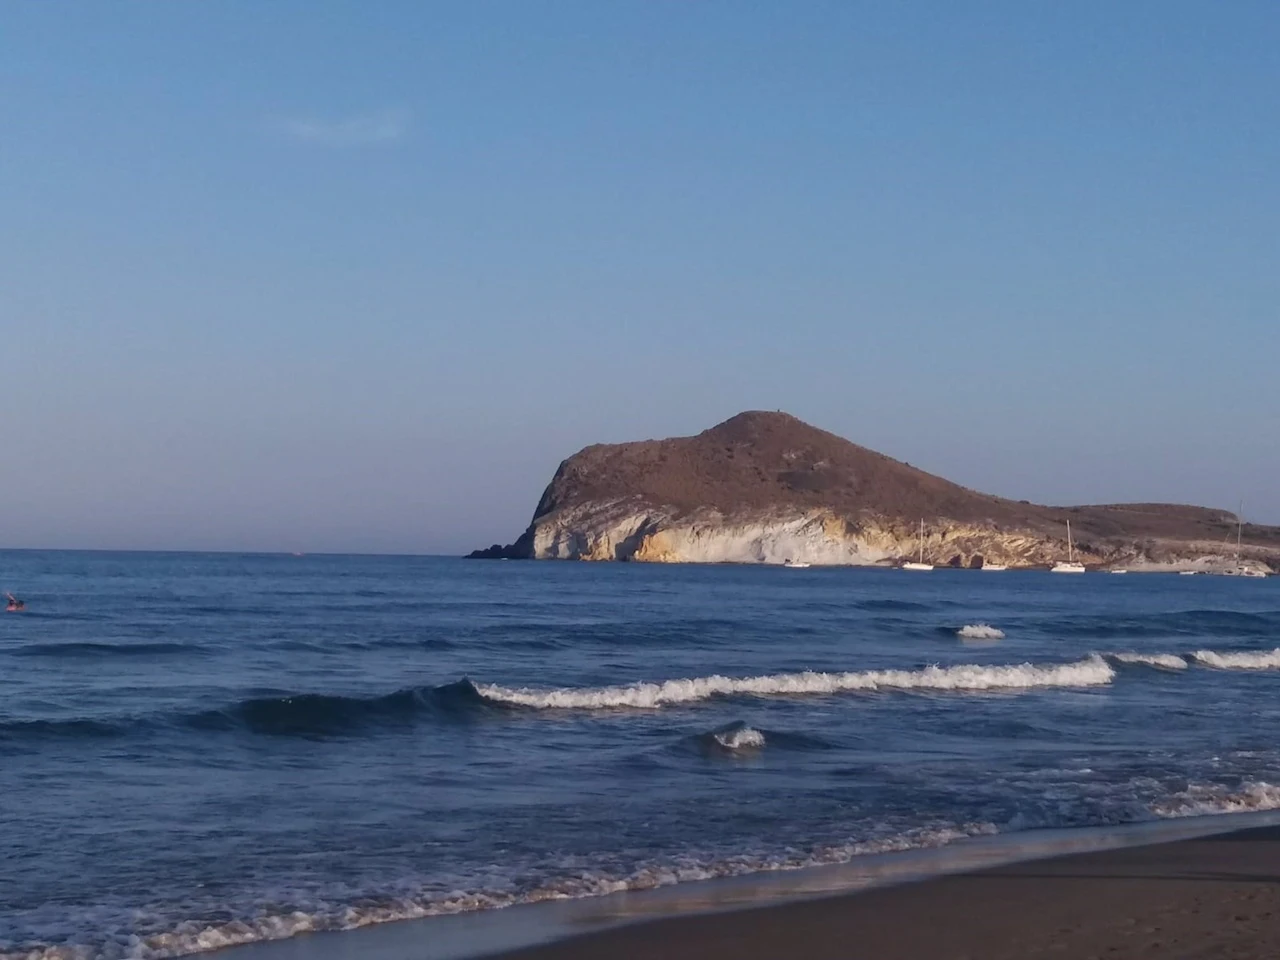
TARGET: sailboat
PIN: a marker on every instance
(1241, 569)
(919, 565)
(1070, 565)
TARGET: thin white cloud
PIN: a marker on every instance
(380, 126)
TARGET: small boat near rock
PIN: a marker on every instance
(1241, 568)
(1070, 565)
(919, 564)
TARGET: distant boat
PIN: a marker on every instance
(994, 567)
(796, 564)
(1188, 573)
(1241, 569)
(1070, 565)
(1246, 572)
(1119, 571)
(920, 564)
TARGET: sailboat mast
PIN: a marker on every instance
(1071, 553)
(1239, 528)
(922, 539)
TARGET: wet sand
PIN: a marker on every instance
(1214, 897)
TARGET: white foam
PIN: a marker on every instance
(740, 738)
(188, 937)
(1089, 672)
(182, 938)
(1261, 660)
(1166, 661)
(980, 631)
(1208, 799)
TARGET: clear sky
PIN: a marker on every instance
(357, 276)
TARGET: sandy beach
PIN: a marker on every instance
(1210, 897)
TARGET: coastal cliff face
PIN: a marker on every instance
(768, 488)
(624, 532)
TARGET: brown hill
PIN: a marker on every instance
(759, 463)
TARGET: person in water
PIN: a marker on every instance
(14, 604)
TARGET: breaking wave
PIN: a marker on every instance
(118, 940)
(738, 736)
(742, 739)
(1164, 661)
(188, 937)
(332, 715)
(980, 631)
(1251, 660)
(1210, 799)
(1091, 671)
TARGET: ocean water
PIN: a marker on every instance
(202, 750)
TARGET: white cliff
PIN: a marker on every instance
(620, 531)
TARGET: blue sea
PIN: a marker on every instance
(199, 750)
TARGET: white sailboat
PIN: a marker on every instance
(1070, 565)
(994, 567)
(919, 565)
(1242, 569)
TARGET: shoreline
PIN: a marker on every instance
(735, 917)
(1212, 566)
(1212, 896)
(1208, 896)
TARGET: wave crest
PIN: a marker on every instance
(1164, 661)
(1091, 671)
(980, 631)
(318, 714)
(1251, 660)
(324, 715)
(1209, 799)
(739, 736)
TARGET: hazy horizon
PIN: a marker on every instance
(323, 277)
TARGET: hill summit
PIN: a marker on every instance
(768, 487)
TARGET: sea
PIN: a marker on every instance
(203, 750)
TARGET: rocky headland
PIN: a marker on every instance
(768, 488)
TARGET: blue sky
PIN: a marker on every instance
(350, 276)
